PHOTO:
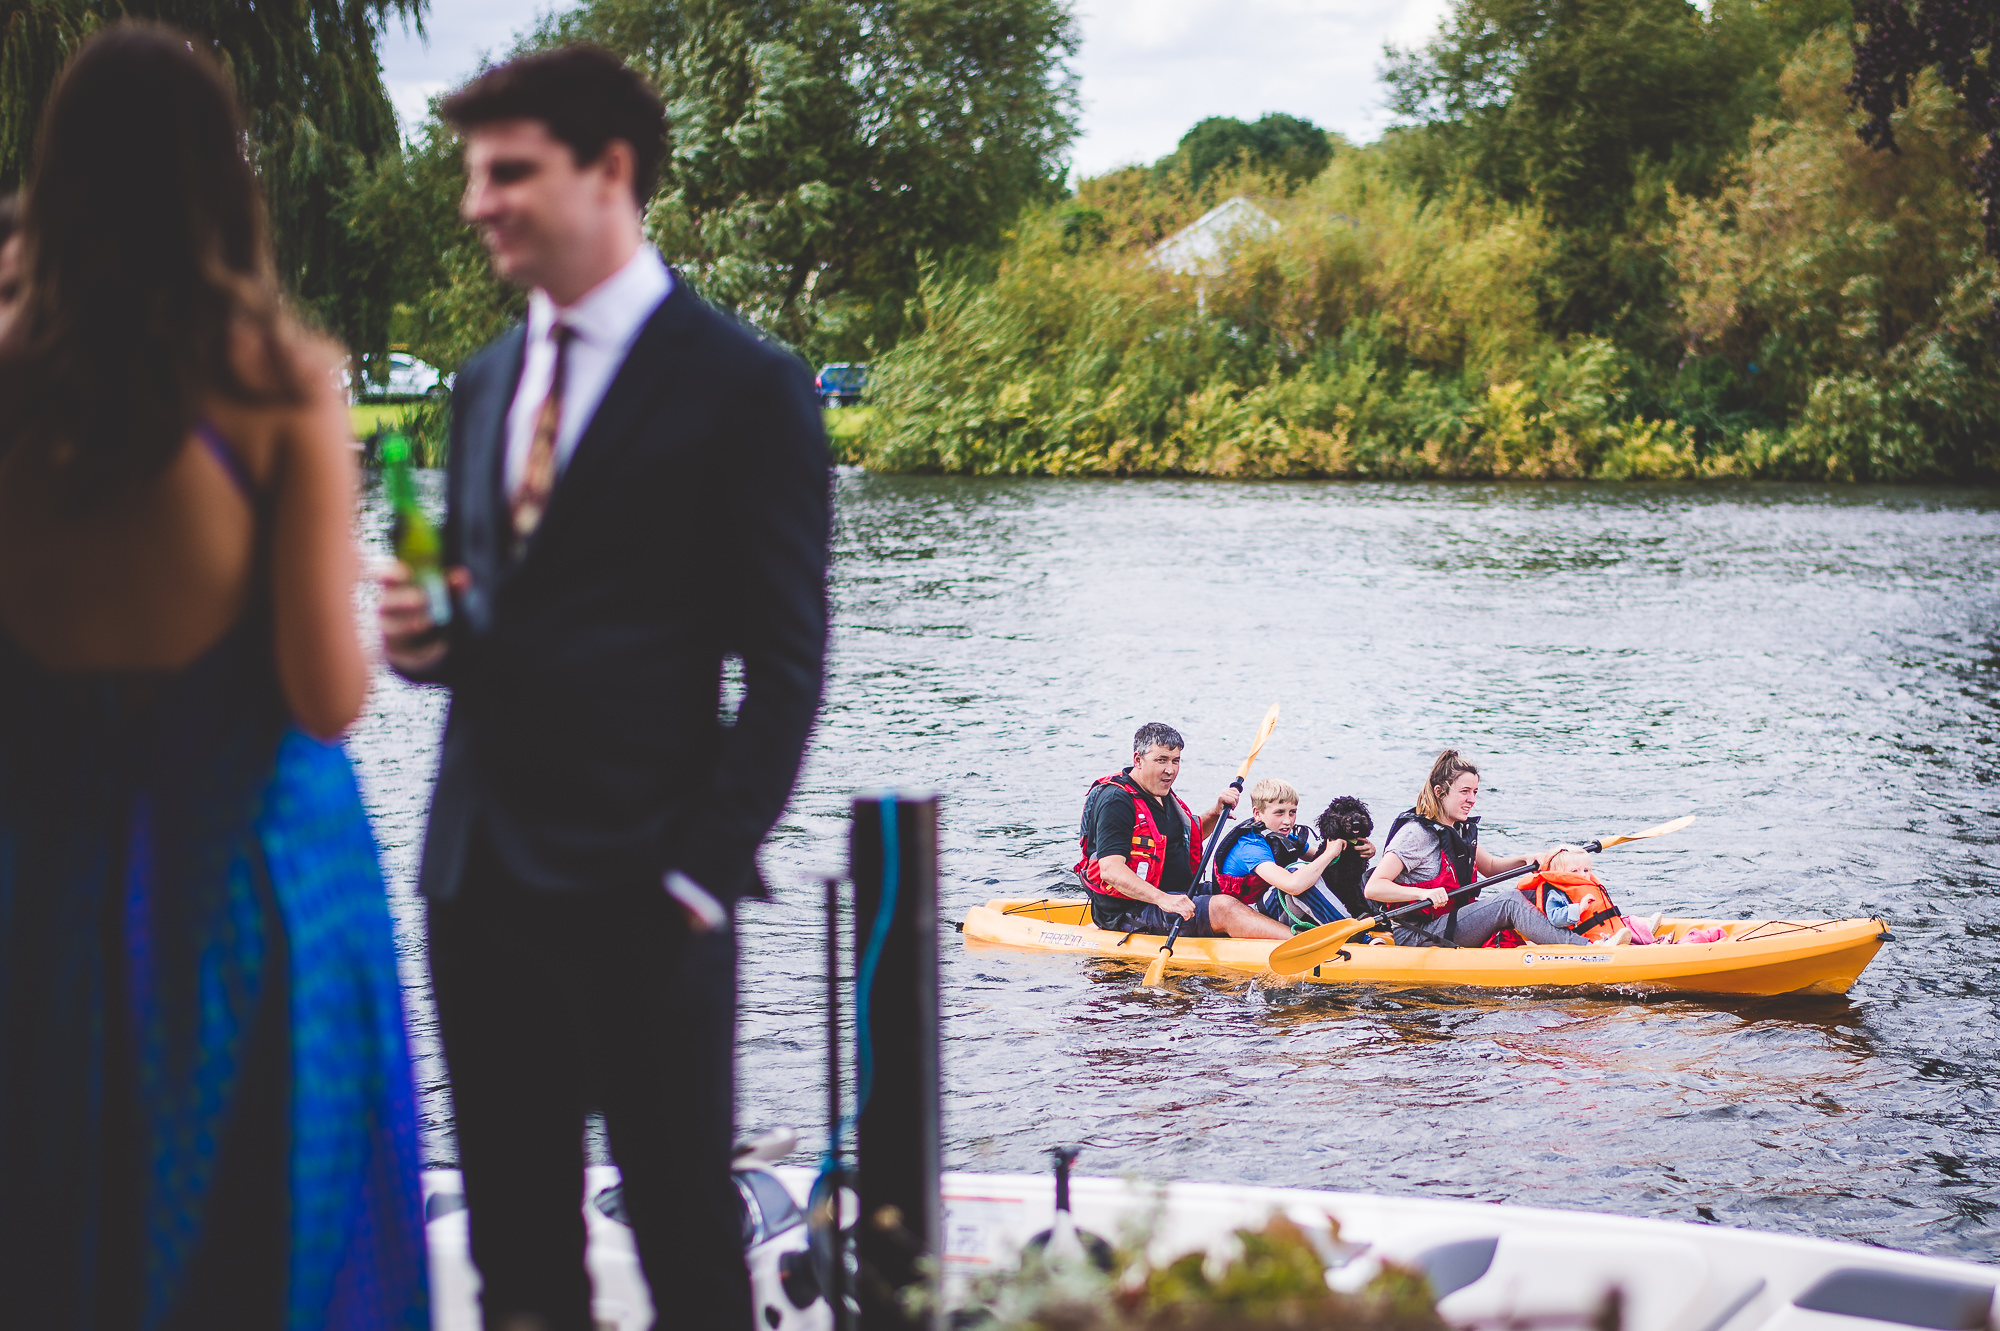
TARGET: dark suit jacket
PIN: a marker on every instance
(586, 739)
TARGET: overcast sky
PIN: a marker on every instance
(1150, 68)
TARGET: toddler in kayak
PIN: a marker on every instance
(1569, 892)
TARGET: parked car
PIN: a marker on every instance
(408, 378)
(840, 385)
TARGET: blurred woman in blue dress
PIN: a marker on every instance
(206, 1116)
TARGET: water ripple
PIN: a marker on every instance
(1815, 672)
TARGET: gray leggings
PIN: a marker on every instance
(1481, 919)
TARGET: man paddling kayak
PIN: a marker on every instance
(1142, 847)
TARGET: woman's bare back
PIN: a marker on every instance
(156, 577)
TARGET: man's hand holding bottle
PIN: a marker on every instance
(417, 589)
(412, 641)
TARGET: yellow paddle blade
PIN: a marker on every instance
(1156, 972)
(1301, 952)
(1664, 828)
(1263, 733)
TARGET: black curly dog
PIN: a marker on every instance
(1347, 819)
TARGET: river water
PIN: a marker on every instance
(1815, 673)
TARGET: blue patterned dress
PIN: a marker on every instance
(206, 1116)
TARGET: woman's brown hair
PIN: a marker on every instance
(146, 257)
(1448, 768)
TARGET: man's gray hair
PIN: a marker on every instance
(1156, 733)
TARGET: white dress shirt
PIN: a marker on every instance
(605, 323)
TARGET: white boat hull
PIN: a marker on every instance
(1493, 1263)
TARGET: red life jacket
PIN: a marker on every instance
(1464, 848)
(1600, 918)
(1457, 846)
(1447, 878)
(1147, 858)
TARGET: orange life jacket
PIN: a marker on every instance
(1600, 917)
(1147, 858)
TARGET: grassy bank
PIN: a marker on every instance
(425, 422)
(368, 417)
(846, 426)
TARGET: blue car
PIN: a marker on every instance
(840, 385)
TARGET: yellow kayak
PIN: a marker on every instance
(1756, 956)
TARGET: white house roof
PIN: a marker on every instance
(1201, 248)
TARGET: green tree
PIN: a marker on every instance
(1590, 110)
(824, 152)
(1570, 103)
(1847, 286)
(312, 91)
(1294, 149)
(402, 223)
(1898, 42)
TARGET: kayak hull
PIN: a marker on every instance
(1759, 957)
(1064, 926)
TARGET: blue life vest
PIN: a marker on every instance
(1287, 849)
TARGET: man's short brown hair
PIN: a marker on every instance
(584, 94)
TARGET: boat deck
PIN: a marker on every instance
(1492, 1265)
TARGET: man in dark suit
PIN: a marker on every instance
(638, 492)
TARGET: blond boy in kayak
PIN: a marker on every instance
(1264, 861)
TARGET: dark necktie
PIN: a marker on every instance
(538, 473)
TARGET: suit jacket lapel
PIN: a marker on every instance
(483, 487)
(624, 404)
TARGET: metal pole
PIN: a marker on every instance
(836, 1295)
(899, 1154)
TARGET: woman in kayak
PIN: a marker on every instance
(1433, 849)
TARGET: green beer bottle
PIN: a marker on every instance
(411, 533)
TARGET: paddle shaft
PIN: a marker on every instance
(1222, 821)
(1308, 949)
(1324, 940)
(1223, 818)
(1416, 907)
(1592, 847)
(1174, 933)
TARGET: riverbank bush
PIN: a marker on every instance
(1372, 336)
(1822, 311)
